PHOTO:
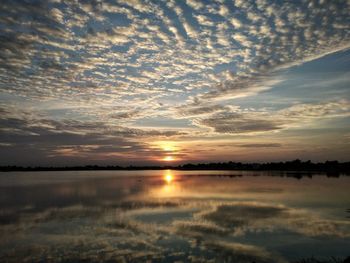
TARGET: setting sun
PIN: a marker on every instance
(168, 158)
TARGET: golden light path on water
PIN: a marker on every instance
(168, 176)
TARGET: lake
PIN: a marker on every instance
(173, 216)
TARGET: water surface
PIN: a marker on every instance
(172, 216)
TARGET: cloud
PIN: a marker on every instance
(240, 218)
(236, 22)
(223, 10)
(193, 228)
(198, 110)
(114, 36)
(134, 33)
(260, 145)
(238, 123)
(232, 216)
(235, 120)
(195, 4)
(242, 87)
(114, 224)
(137, 5)
(27, 133)
(331, 109)
(120, 62)
(242, 253)
(204, 20)
(126, 115)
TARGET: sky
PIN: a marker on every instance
(132, 82)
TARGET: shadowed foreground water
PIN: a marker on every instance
(172, 216)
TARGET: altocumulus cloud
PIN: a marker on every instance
(109, 64)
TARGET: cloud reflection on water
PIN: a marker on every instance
(189, 219)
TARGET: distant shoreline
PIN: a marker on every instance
(331, 167)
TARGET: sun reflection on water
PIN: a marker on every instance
(168, 176)
(170, 187)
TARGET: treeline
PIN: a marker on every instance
(81, 168)
(296, 165)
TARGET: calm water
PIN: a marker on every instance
(172, 216)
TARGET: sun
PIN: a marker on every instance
(168, 158)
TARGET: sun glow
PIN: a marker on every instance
(168, 159)
(167, 146)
